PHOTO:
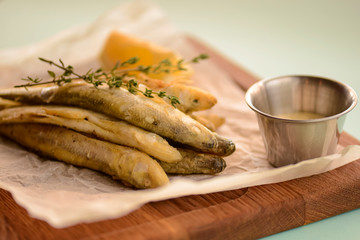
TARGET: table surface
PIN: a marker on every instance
(268, 38)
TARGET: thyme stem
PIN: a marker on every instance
(114, 78)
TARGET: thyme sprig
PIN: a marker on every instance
(117, 77)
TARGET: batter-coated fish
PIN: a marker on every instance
(195, 163)
(97, 124)
(191, 98)
(124, 163)
(138, 110)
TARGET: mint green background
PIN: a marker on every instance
(268, 37)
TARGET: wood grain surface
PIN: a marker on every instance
(239, 214)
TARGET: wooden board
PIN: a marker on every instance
(239, 214)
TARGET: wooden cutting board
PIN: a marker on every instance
(239, 214)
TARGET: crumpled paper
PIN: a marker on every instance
(64, 195)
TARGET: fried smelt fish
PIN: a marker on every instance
(154, 116)
(191, 98)
(97, 124)
(124, 163)
(195, 163)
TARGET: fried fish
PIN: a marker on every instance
(191, 98)
(99, 125)
(124, 163)
(136, 109)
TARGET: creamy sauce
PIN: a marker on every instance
(301, 115)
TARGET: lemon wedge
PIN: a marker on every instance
(120, 47)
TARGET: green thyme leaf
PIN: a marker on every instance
(173, 100)
(200, 57)
(130, 61)
(51, 74)
(148, 93)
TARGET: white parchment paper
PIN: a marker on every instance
(64, 195)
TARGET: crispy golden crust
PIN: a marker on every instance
(191, 98)
(138, 110)
(195, 163)
(96, 124)
(122, 163)
(5, 103)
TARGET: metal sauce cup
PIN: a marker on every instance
(288, 141)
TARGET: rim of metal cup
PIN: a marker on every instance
(335, 116)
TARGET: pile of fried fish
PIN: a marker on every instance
(133, 138)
